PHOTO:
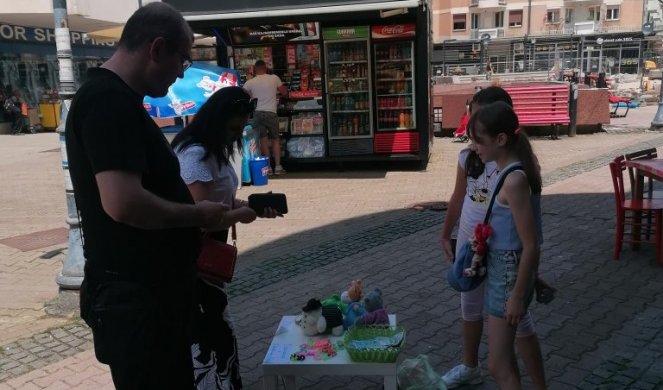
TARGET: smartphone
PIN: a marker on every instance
(259, 202)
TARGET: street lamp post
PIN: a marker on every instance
(71, 275)
(657, 123)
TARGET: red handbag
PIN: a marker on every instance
(216, 262)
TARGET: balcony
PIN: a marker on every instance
(580, 3)
(487, 4)
(585, 28)
(497, 32)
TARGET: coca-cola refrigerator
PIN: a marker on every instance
(394, 88)
(348, 93)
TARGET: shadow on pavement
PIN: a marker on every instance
(595, 318)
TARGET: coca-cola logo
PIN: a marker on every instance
(393, 30)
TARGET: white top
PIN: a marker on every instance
(223, 178)
(264, 87)
(477, 198)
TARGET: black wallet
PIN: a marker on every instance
(259, 202)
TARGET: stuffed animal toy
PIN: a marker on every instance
(478, 242)
(316, 319)
(353, 294)
(335, 300)
(376, 314)
(354, 311)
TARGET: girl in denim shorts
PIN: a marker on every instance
(475, 183)
(513, 257)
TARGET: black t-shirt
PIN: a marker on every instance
(108, 129)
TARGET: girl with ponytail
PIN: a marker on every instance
(475, 182)
(514, 252)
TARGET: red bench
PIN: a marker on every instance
(545, 104)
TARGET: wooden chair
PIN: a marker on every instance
(647, 154)
(626, 210)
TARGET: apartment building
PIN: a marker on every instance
(536, 35)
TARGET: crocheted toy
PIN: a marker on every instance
(335, 300)
(481, 234)
(353, 294)
(316, 319)
(376, 314)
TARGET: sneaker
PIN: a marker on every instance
(462, 375)
(278, 170)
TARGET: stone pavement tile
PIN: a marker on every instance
(81, 371)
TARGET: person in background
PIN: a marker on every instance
(140, 225)
(266, 88)
(14, 107)
(514, 251)
(204, 149)
(475, 182)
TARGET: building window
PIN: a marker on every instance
(612, 13)
(499, 19)
(437, 114)
(474, 21)
(516, 18)
(552, 16)
(460, 22)
(568, 18)
(594, 14)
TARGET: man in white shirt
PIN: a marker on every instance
(265, 87)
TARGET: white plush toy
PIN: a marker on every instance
(316, 319)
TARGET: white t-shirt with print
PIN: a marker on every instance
(264, 87)
(477, 198)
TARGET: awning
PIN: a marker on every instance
(113, 35)
(331, 9)
(106, 35)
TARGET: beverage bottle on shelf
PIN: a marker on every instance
(406, 121)
(355, 125)
(401, 120)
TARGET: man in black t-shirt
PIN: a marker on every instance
(141, 227)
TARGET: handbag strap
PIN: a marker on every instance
(497, 189)
(233, 234)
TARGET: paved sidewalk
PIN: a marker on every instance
(598, 333)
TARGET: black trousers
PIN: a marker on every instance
(143, 336)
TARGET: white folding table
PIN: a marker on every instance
(288, 339)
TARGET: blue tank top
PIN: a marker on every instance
(505, 235)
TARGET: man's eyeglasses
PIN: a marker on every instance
(186, 63)
(247, 106)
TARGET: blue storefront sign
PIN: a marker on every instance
(23, 34)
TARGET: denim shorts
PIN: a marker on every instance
(501, 279)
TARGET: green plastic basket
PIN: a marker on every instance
(387, 355)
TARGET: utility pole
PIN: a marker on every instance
(71, 275)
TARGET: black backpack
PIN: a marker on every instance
(9, 105)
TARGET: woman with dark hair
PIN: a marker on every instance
(204, 149)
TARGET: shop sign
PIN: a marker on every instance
(273, 33)
(226, 7)
(9, 32)
(614, 40)
(393, 31)
(345, 32)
